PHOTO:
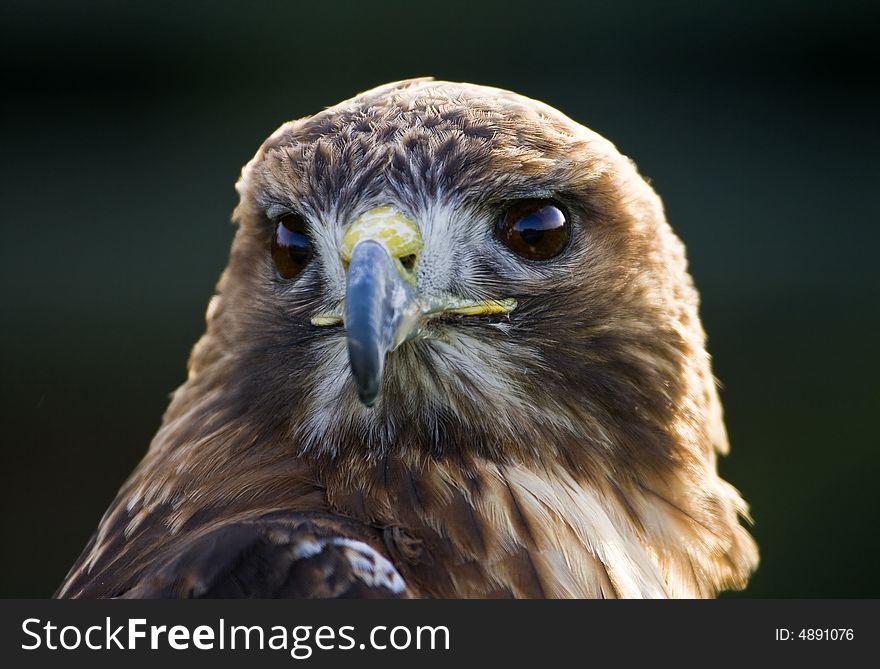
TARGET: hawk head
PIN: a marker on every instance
(459, 317)
(447, 266)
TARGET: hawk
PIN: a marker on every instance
(456, 352)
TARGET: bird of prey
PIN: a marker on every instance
(456, 352)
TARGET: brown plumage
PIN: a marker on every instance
(564, 449)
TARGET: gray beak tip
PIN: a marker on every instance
(368, 399)
(366, 362)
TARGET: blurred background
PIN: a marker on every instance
(125, 125)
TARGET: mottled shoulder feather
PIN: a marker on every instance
(275, 556)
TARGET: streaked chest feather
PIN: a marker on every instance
(523, 533)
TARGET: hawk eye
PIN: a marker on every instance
(291, 246)
(535, 229)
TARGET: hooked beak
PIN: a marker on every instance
(381, 312)
(382, 307)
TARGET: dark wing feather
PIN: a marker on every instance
(275, 556)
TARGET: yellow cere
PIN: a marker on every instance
(398, 234)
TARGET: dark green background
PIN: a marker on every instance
(125, 125)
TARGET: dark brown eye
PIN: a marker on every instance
(291, 246)
(534, 229)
